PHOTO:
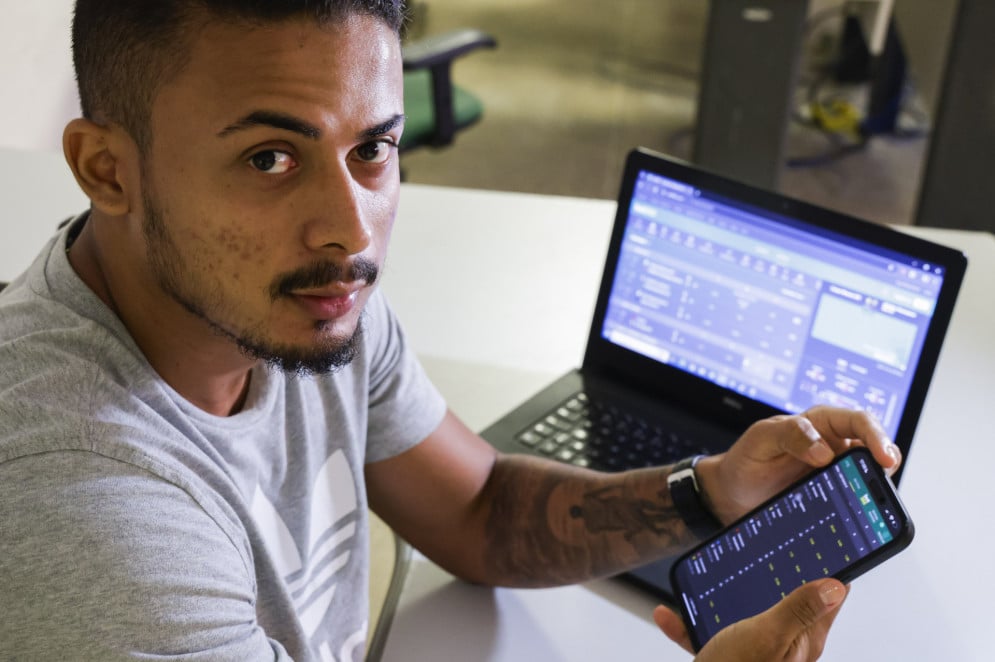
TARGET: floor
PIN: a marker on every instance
(574, 84)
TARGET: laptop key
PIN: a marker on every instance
(543, 429)
(558, 423)
(548, 447)
(565, 455)
(529, 438)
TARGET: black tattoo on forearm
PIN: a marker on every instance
(610, 510)
(549, 527)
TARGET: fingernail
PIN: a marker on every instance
(832, 594)
(893, 452)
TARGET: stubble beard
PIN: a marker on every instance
(327, 355)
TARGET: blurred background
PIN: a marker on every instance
(574, 84)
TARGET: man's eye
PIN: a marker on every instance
(272, 162)
(375, 151)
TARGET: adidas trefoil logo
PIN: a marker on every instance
(310, 572)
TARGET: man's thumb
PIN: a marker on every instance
(807, 604)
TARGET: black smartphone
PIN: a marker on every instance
(840, 521)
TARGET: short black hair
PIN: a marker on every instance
(123, 50)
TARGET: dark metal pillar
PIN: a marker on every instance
(958, 184)
(748, 79)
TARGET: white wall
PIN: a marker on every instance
(36, 74)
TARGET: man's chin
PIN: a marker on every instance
(328, 357)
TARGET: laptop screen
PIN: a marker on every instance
(778, 310)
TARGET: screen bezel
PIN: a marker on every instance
(662, 381)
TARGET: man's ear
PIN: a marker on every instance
(103, 160)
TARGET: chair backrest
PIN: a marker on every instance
(435, 108)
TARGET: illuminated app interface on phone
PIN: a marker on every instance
(811, 532)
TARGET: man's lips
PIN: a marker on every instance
(328, 303)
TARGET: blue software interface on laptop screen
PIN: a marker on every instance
(769, 307)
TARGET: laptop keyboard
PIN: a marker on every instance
(589, 432)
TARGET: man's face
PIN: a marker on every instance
(270, 187)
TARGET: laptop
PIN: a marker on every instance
(721, 304)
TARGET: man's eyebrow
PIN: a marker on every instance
(275, 120)
(385, 127)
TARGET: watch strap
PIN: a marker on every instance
(687, 498)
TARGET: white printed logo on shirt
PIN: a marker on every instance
(308, 571)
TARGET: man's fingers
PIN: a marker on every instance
(800, 438)
(817, 435)
(672, 626)
(842, 428)
(807, 605)
(795, 629)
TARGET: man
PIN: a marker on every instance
(201, 390)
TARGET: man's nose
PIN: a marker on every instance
(341, 216)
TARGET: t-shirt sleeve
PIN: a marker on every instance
(404, 405)
(100, 560)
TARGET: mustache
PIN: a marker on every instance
(319, 274)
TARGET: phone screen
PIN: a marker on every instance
(838, 522)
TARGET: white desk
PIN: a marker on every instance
(511, 257)
(496, 292)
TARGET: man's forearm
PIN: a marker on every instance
(555, 524)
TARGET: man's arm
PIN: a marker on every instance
(518, 520)
(522, 521)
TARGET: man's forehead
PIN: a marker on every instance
(235, 67)
(241, 38)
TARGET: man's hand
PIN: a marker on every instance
(793, 630)
(777, 451)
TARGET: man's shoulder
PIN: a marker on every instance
(52, 359)
(99, 424)
(37, 326)
(70, 384)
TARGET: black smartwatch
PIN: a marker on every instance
(686, 495)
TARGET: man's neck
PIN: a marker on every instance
(201, 365)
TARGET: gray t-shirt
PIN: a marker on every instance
(133, 524)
